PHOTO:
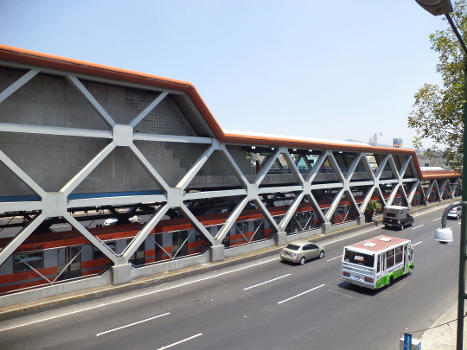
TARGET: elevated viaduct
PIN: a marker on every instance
(109, 174)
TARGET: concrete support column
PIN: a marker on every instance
(216, 252)
(327, 227)
(360, 220)
(280, 238)
(121, 273)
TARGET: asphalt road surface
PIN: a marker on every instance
(264, 304)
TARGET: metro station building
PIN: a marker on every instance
(108, 175)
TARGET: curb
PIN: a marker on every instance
(49, 303)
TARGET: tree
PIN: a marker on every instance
(437, 113)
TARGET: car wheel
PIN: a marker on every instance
(302, 261)
(321, 255)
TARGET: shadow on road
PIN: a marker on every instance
(370, 292)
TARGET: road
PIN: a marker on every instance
(264, 304)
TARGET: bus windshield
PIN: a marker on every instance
(359, 258)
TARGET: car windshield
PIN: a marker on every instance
(293, 247)
(359, 258)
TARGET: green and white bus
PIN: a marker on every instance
(376, 262)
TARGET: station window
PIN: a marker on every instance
(24, 261)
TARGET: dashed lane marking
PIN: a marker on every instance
(132, 324)
(266, 282)
(302, 293)
(181, 341)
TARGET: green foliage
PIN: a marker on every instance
(437, 113)
(374, 205)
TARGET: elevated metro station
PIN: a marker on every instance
(108, 175)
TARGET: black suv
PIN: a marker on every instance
(397, 216)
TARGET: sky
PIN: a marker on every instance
(334, 69)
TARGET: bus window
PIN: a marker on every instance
(398, 255)
(359, 258)
(390, 258)
(378, 269)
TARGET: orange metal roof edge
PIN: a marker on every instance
(9, 53)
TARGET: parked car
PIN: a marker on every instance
(397, 216)
(455, 213)
(300, 251)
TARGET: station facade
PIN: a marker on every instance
(108, 175)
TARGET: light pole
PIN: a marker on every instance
(444, 7)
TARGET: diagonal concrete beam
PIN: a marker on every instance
(291, 211)
(83, 173)
(231, 219)
(18, 84)
(149, 108)
(190, 175)
(266, 167)
(149, 168)
(21, 175)
(367, 200)
(144, 233)
(20, 238)
(334, 205)
(315, 170)
(103, 248)
(412, 192)
(194, 220)
(91, 99)
(236, 169)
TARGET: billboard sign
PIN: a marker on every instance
(397, 142)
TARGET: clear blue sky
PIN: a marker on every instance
(329, 69)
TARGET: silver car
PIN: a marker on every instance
(300, 251)
(455, 213)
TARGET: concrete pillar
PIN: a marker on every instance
(216, 252)
(360, 220)
(121, 273)
(327, 227)
(280, 238)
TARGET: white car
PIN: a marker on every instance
(455, 213)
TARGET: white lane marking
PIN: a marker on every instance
(67, 313)
(413, 245)
(460, 222)
(132, 324)
(302, 293)
(181, 341)
(436, 219)
(414, 228)
(336, 257)
(266, 282)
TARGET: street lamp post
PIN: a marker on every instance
(444, 7)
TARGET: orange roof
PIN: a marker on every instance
(13, 54)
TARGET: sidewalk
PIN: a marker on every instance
(444, 336)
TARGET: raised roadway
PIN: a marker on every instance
(262, 304)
